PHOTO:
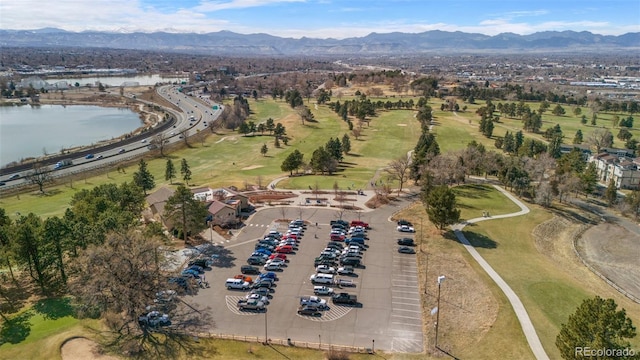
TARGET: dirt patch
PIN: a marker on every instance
(252, 167)
(613, 251)
(269, 196)
(82, 348)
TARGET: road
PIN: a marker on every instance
(203, 116)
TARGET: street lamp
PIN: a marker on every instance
(266, 339)
(319, 341)
(440, 280)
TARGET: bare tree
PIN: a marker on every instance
(398, 169)
(40, 176)
(120, 279)
(160, 140)
(356, 133)
(600, 138)
(184, 134)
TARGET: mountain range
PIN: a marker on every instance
(230, 43)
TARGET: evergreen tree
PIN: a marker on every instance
(185, 212)
(583, 119)
(589, 179)
(346, 144)
(509, 143)
(292, 162)
(611, 194)
(264, 149)
(578, 138)
(334, 148)
(169, 171)
(185, 171)
(441, 207)
(596, 324)
(143, 178)
(518, 140)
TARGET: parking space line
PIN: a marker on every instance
(405, 324)
(402, 316)
(404, 298)
(408, 286)
(408, 310)
(404, 303)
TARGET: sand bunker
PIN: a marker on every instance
(252, 167)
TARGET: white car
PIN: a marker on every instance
(313, 301)
(276, 261)
(322, 290)
(258, 297)
(325, 269)
(406, 228)
(345, 270)
(272, 267)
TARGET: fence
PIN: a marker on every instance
(287, 342)
(593, 270)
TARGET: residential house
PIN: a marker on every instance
(624, 171)
(157, 201)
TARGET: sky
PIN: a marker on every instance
(324, 18)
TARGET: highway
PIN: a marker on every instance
(195, 115)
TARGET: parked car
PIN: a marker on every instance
(406, 228)
(284, 249)
(360, 223)
(276, 261)
(258, 297)
(197, 268)
(252, 304)
(345, 270)
(203, 263)
(238, 284)
(262, 291)
(341, 222)
(322, 290)
(256, 260)
(344, 298)
(269, 275)
(325, 269)
(248, 269)
(406, 242)
(404, 222)
(406, 250)
(321, 304)
(278, 256)
(154, 319)
(273, 267)
(244, 277)
(309, 311)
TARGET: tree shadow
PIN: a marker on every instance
(479, 240)
(17, 329)
(476, 240)
(54, 308)
(223, 258)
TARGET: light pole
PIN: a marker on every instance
(319, 341)
(440, 280)
(266, 339)
(373, 345)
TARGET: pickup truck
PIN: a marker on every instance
(345, 298)
(251, 304)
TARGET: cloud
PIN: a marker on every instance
(217, 5)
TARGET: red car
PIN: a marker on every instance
(290, 236)
(337, 237)
(278, 255)
(284, 249)
(360, 223)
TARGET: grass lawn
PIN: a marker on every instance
(37, 332)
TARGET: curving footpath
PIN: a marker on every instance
(518, 308)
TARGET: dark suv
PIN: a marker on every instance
(248, 269)
(406, 242)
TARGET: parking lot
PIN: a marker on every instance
(386, 286)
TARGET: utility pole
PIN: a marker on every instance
(440, 280)
(266, 339)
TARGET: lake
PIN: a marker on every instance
(116, 81)
(29, 131)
